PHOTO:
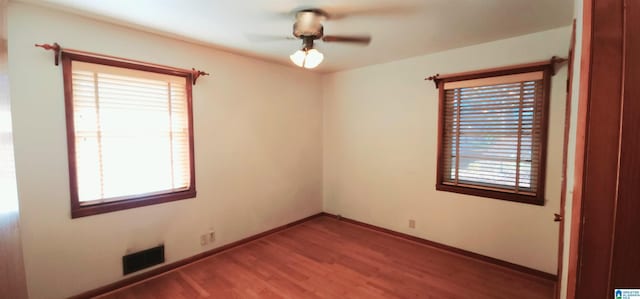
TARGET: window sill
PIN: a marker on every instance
(521, 198)
(135, 202)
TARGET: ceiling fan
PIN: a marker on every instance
(309, 28)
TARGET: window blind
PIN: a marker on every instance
(131, 132)
(492, 135)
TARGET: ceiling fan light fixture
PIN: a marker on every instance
(314, 58)
(298, 58)
(307, 58)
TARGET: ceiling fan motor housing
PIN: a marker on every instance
(308, 24)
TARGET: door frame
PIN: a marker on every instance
(565, 154)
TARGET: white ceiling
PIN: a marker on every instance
(399, 28)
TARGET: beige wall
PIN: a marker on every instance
(257, 149)
(380, 144)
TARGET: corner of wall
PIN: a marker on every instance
(323, 96)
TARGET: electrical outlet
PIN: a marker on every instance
(204, 239)
(412, 223)
(212, 236)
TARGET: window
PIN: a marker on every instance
(130, 135)
(493, 128)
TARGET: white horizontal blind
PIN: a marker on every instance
(493, 133)
(131, 133)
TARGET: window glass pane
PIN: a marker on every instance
(132, 134)
(492, 134)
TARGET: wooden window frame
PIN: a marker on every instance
(548, 69)
(78, 210)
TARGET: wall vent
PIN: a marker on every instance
(142, 259)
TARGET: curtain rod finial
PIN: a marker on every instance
(55, 47)
(555, 62)
(434, 78)
(197, 73)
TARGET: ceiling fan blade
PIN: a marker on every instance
(337, 12)
(356, 39)
(291, 14)
(340, 12)
(267, 38)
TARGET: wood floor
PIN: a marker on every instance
(12, 279)
(328, 258)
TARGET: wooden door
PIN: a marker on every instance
(605, 245)
(625, 260)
